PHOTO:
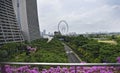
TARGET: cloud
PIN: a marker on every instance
(81, 15)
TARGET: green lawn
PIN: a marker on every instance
(108, 41)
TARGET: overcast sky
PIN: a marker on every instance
(81, 15)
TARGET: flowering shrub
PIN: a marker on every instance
(118, 59)
(30, 49)
(28, 69)
(72, 69)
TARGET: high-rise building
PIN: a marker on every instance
(26, 11)
(9, 28)
(44, 32)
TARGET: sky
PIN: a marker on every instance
(81, 15)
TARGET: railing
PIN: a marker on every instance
(62, 64)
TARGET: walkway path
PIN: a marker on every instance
(72, 56)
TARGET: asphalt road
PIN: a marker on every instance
(72, 57)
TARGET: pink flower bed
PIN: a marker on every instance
(72, 69)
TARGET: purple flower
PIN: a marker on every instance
(34, 71)
(64, 69)
(118, 59)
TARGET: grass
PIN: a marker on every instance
(108, 41)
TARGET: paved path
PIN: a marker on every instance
(72, 57)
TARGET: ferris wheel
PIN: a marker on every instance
(63, 27)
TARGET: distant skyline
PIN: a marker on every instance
(81, 15)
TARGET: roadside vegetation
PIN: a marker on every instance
(93, 50)
(41, 52)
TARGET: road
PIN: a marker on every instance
(72, 57)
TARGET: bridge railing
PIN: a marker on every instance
(62, 64)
